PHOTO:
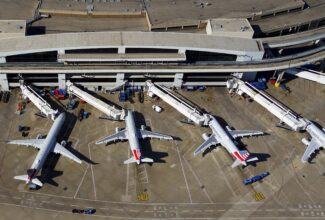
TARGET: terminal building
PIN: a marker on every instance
(225, 40)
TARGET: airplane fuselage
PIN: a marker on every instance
(133, 136)
(48, 145)
(225, 139)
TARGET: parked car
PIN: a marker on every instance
(256, 178)
(72, 104)
(157, 108)
(84, 211)
(81, 114)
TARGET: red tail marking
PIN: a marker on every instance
(236, 154)
(136, 154)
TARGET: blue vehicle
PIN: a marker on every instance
(256, 178)
(84, 211)
(72, 104)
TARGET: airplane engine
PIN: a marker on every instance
(205, 136)
(117, 129)
(63, 143)
(305, 141)
(150, 94)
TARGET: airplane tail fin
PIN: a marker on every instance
(133, 160)
(28, 181)
(245, 155)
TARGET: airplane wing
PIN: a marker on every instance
(150, 134)
(121, 135)
(207, 143)
(312, 147)
(59, 149)
(36, 143)
(244, 133)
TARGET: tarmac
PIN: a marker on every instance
(177, 186)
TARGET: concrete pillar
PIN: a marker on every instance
(3, 60)
(279, 79)
(61, 51)
(120, 78)
(121, 50)
(178, 80)
(61, 81)
(242, 58)
(4, 82)
(322, 66)
(181, 51)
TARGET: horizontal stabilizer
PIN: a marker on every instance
(147, 160)
(25, 178)
(131, 160)
(236, 163)
(252, 159)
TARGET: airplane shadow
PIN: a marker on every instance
(314, 155)
(48, 173)
(64, 135)
(101, 98)
(146, 147)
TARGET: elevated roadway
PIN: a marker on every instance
(219, 67)
(294, 39)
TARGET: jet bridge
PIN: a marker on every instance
(38, 101)
(111, 111)
(308, 74)
(286, 116)
(184, 107)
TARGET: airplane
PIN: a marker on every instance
(133, 134)
(317, 140)
(45, 147)
(226, 139)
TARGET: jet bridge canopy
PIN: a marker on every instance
(110, 110)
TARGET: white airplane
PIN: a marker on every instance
(226, 139)
(317, 140)
(45, 147)
(133, 134)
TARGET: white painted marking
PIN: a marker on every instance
(92, 173)
(180, 160)
(81, 181)
(127, 176)
(225, 177)
(198, 180)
